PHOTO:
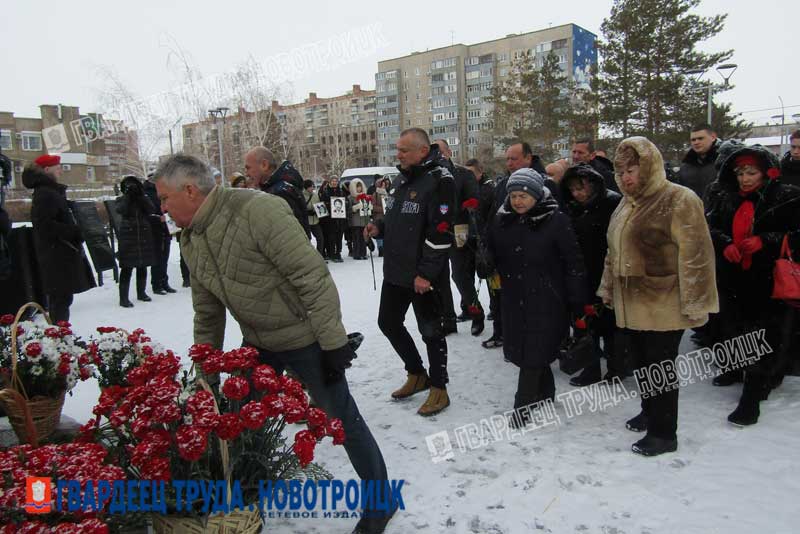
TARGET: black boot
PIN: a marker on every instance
(477, 327)
(653, 446)
(141, 284)
(747, 412)
(168, 289)
(590, 375)
(124, 288)
(638, 423)
(729, 378)
(159, 291)
(463, 317)
(493, 342)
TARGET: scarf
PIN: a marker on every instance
(743, 226)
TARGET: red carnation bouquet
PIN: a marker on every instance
(70, 461)
(161, 426)
(114, 352)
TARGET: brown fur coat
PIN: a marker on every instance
(659, 273)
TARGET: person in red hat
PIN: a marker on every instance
(57, 237)
(748, 222)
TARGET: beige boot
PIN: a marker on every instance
(437, 401)
(414, 384)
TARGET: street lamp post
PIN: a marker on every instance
(725, 70)
(220, 113)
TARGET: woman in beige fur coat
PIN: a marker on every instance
(659, 278)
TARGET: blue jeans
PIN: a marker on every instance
(336, 401)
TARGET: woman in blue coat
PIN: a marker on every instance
(544, 283)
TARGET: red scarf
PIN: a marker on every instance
(743, 227)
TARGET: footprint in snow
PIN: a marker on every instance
(677, 463)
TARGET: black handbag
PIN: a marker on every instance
(576, 353)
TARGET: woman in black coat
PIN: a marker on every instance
(332, 228)
(58, 241)
(589, 205)
(136, 244)
(752, 213)
(535, 251)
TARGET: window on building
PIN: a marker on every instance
(471, 75)
(473, 114)
(32, 141)
(450, 75)
(5, 140)
(417, 84)
(90, 176)
(502, 57)
(471, 61)
(451, 88)
(372, 135)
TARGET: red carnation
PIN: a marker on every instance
(236, 388)
(590, 311)
(474, 311)
(773, 173)
(6, 319)
(580, 324)
(292, 387)
(52, 332)
(264, 378)
(191, 443)
(274, 405)
(63, 324)
(205, 420)
(63, 368)
(200, 402)
(293, 410)
(214, 364)
(85, 373)
(253, 415)
(336, 431)
(33, 349)
(199, 352)
(156, 469)
(316, 417)
(304, 443)
(229, 427)
(442, 227)
(470, 204)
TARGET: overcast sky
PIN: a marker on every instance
(54, 49)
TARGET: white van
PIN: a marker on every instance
(367, 174)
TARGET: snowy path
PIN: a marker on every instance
(577, 477)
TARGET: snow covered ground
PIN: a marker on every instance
(579, 476)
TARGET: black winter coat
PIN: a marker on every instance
(136, 241)
(698, 172)
(790, 171)
(287, 183)
(160, 229)
(543, 280)
(58, 241)
(325, 195)
(418, 223)
(466, 187)
(777, 212)
(590, 221)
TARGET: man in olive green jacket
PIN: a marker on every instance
(247, 254)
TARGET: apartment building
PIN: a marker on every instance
(444, 90)
(82, 141)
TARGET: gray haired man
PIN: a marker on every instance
(247, 255)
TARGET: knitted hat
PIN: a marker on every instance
(527, 180)
(46, 160)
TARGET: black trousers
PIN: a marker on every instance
(359, 246)
(462, 261)
(184, 268)
(332, 231)
(58, 306)
(125, 281)
(443, 286)
(648, 348)
(316, 231)
(159, 279)
(395, 301)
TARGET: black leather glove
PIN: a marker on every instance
(334, 362)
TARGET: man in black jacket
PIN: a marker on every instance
(462, 257)
(790, 164)
(416, 231)
(583, 152)
(590, 205)
(159, 278)
(282, 180)
(697, 169)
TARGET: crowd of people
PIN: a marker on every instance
(645, 252)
